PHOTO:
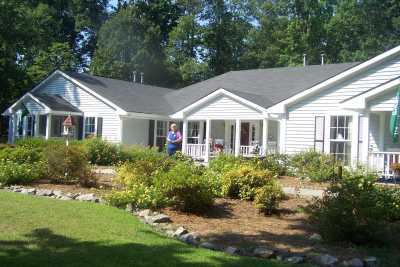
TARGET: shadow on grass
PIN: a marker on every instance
(46, 248)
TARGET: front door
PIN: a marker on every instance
(245, 133)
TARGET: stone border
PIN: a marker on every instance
(162, 223)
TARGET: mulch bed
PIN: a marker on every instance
(237, 223)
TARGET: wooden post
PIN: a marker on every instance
(207, 142)
(237, 137)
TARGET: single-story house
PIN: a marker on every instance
(341, 109)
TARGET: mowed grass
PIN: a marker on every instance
(43, 232)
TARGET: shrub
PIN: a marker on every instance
(21, 155)
(277, 163)
(68, 165)
(38, 143)
(217, 168)
(140, 195)
(101, 152)
(185, 188)
(354, 209)
(243, 181)
(20, 173)
(314, 165)
(268, 197)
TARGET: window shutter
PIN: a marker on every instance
(99, 127)
(80, 128)
(319, 133)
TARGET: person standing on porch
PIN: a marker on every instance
(174, 139)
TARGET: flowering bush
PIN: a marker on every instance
(20, 173)
(101, 152)
(268, 197)
(243, 181)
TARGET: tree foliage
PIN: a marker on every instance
(179, 42)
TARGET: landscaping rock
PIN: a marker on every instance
(145, 213)
(16, 188)
(44, 192)
(88, 197)
(57, 193)
(209, 245)
(356, 262)
(315, 237)
(159, 218)
(263, 252)
(371, 262)
(73, 195)
(295, 259)
(325, 260)
(232, 250)
(180, 231)
(66, 198)
(28, 191)
(190, 238)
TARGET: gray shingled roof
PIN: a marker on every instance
(265, 87)
(56, 103)
(129, 96)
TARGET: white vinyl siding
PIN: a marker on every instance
(32, 106)
(385, 102)
(223, 107)
(301, 118)
(87, 103)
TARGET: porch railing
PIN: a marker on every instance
(381, 161)
(196, 151)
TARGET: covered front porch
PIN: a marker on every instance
(204, 139)
(43, 117)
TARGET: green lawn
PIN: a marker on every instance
(46, 232)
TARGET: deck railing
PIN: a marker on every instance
(381, 161)
(196, 151)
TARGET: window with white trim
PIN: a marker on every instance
(193, 132)
(340, 138)
(30, 125)
(161, 133)
(90, 127)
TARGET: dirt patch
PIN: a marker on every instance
(238, 223)
(301, 183)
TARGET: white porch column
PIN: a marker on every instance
(237, 137)
(10, 129)
(207, 142)
(15, 127)
(354, 139)
(382, 131)
(282, 135)
(265, 137)
(365, 138)
(36, 126)
(184, 135)
(201, 132)
(155, 134)
(48, 126)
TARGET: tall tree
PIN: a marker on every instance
(227, 25)
(133, 39)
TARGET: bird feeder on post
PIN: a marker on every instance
(69, 129)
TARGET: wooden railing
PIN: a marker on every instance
(381, 161)
(196, 151)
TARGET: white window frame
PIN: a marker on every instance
(348, 141)
(87, 116)
(192, 127)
